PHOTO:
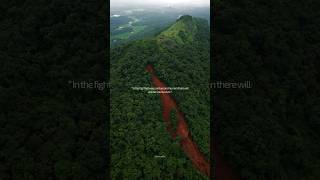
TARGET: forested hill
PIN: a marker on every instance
(187, 29)
(180, 56)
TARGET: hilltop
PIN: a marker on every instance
(186, 29)
(180, 56)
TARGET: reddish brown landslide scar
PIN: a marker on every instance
(222, 171)
(186, 143)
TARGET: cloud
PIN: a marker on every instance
(160, 2)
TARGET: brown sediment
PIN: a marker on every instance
(222, 169)
(182, 131)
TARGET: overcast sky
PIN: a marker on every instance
(160, 2)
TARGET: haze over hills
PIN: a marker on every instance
(156, 3)
(180, 56)
(132, 23)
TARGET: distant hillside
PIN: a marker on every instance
(129, 25)
(180, 56)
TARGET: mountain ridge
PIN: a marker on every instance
(185, 30)
(178, 64)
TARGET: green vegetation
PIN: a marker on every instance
(174, 120)
(182, 31)
(48, 130)
(152, 19)
(269, 132)
(126, 35)
(138, 131)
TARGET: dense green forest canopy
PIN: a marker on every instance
(48, 130)
(51, 131)
(272, 130)
(128, 23)
(180, 56)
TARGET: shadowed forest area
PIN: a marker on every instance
(48, 130)
(270, 131)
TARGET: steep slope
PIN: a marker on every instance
(186, 30)
(180, 54)
(178, 128)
